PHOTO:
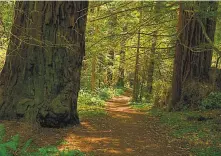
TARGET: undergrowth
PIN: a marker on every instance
(13, 147)
(140, 106)
(201, 129)
(93, 103)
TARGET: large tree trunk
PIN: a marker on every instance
(193, 52)
(41, 76)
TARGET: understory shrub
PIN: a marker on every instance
(92, 104)
(87, 98)
(199, 129)
(161, 92)
(193, 93)
(212, 101)
(105, 93)
(119, 91)
(12, 147)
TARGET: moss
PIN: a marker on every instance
(58, 107)
(43, 112)
(23, 105)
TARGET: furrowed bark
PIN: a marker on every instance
(41, 76)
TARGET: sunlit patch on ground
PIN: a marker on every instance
(123, 132)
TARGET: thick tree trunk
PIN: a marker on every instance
(41, 76)
(193, 53)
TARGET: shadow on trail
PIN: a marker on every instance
(123, 132)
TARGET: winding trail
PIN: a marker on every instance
(123, 132)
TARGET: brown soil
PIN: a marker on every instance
(123, 132)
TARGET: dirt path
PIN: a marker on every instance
(123, 132)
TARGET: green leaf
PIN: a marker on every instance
(13, 144)
(3, 151)
(25, 147)
(2, 132)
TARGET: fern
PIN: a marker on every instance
(9, 148)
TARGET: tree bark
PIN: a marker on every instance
(120, 81)
(150, 69)
(93, 75)
(151, 63)
(41, 76)
(193, 51)
(112, 23)
(136, 69)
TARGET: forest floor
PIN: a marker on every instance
(124, 131)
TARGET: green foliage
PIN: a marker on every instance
(119, 91)
(86, 98)
(199, 128)
(12, 147)
(193, 93)
(106, 93)
(93, 104)
(212, 101)
(161, 93)
(141, 106)
(210, 151)
(90, 104)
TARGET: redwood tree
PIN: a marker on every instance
(41, 76)
(193, 52)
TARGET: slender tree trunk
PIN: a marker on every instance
(100, 70)
(41, 76)
(110, 66)
(93, 74)
(112, 23)
(150, 69)
(120, 82)
(193, 53)
(136, 71)
(151, 60)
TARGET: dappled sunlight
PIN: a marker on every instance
(86, 125)
(123, 132)
(122, 116)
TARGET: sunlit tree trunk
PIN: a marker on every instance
(101, 78)
(110, 67)
(112, 23)
(193, 53)
(93, 73)
(41, 76)
(150, 68)
(151, 58)
(136, 69)
(120, 81)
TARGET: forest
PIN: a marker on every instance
(110, 78)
